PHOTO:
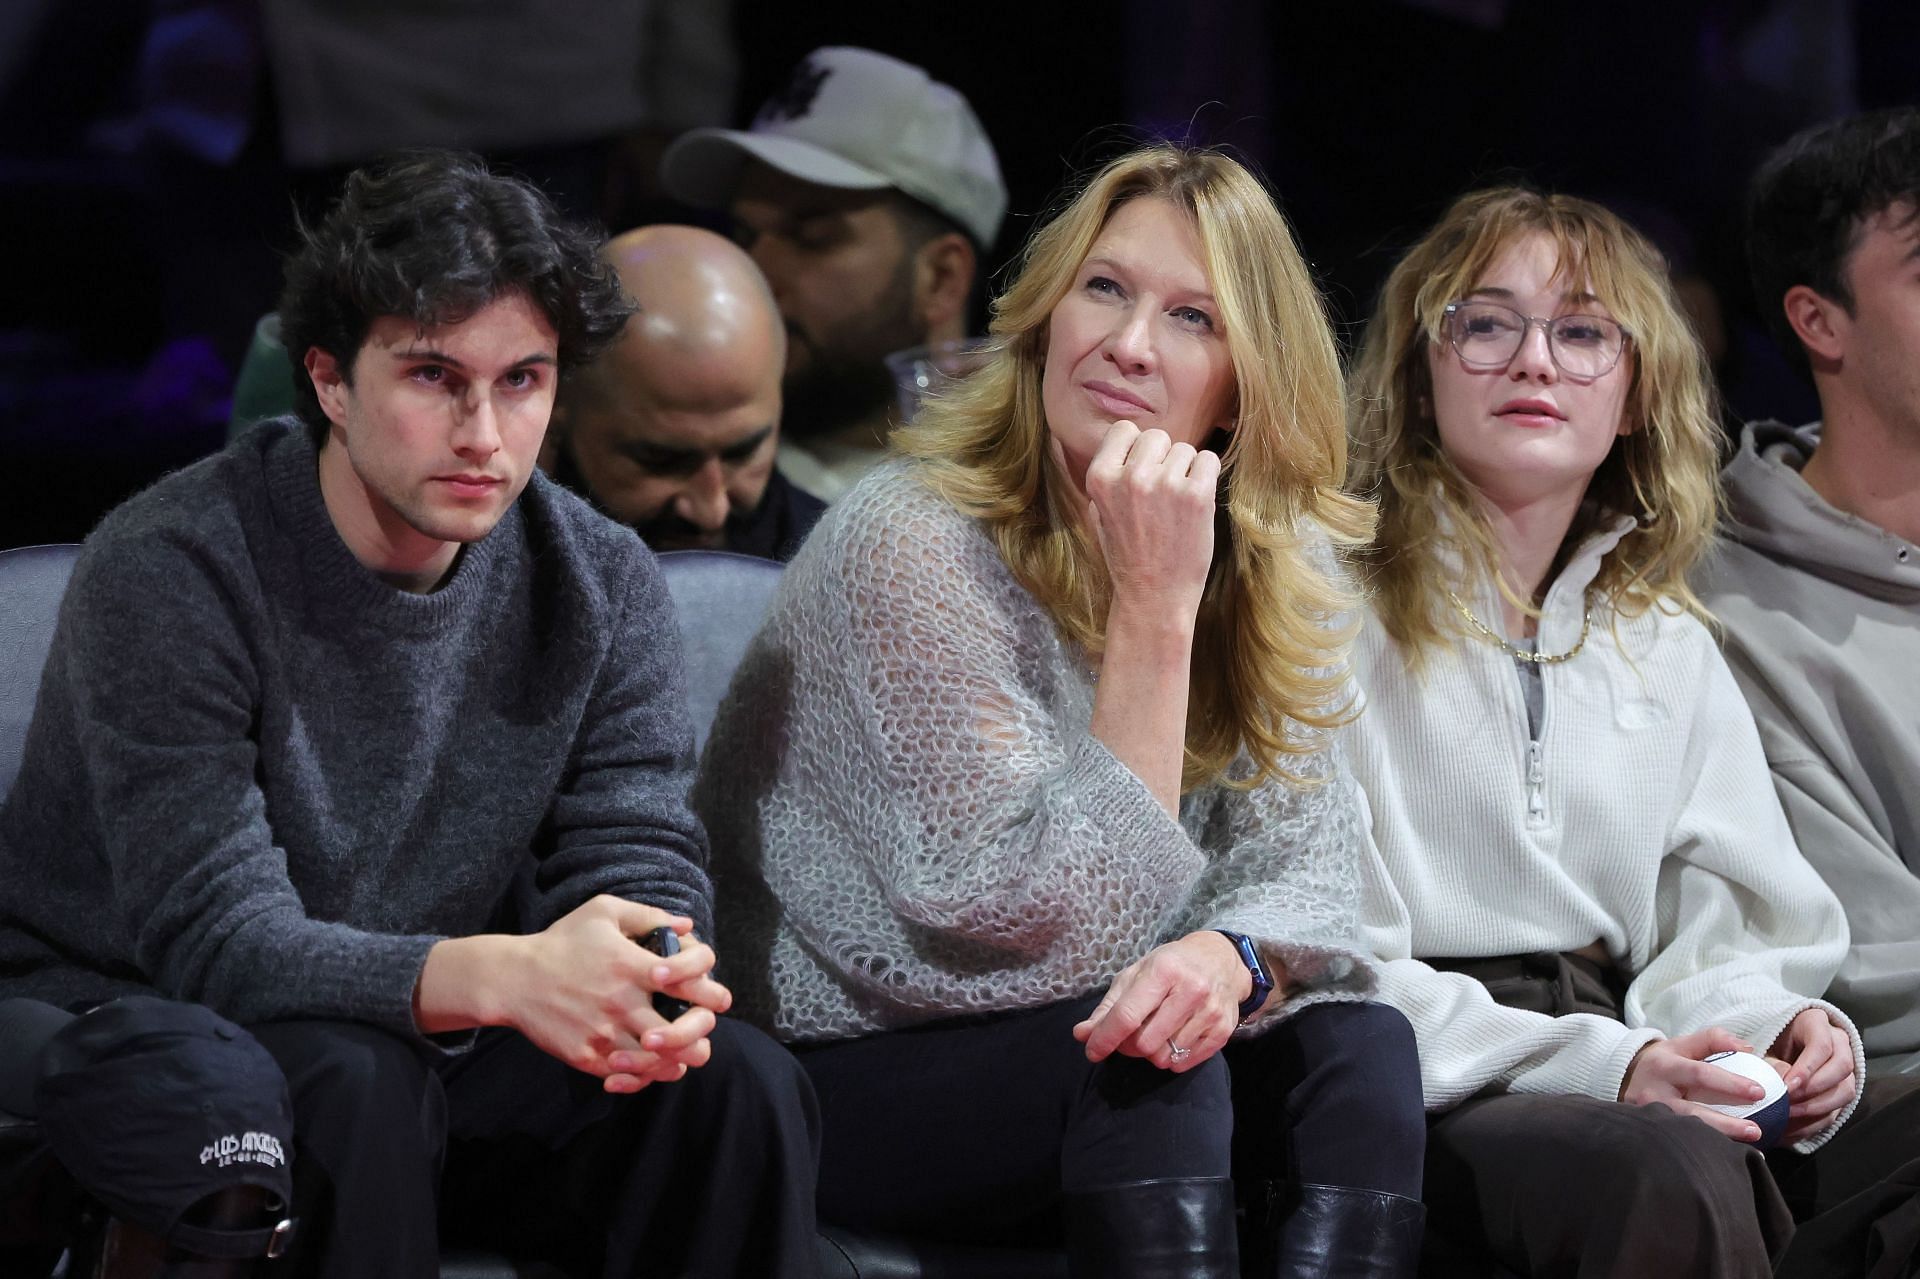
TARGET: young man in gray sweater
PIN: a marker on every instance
(1819, 581)
(369, 738)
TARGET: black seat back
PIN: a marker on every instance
(721, 599)
(32, 580)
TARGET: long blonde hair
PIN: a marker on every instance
(1664, 473)
(1269, 649)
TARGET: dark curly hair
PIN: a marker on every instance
(434, 236)
(1809, 198)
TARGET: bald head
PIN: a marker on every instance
(673, 429)
(707, 323)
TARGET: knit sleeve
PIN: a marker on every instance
(1284, 868)
(164, 695)
(905, 764)
(1748, 936)
(620, 822)
(1468, 1041)
(990, 809)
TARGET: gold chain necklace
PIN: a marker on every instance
(1493, 637)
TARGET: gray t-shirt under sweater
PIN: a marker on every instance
(260, 778)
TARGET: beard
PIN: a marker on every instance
(663, 532)
(827, 395)
(845, 380)
(668, 532)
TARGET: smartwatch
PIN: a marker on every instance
(1262, 983)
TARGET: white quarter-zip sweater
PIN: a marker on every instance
(1643, 817)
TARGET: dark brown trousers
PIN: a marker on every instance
(1575, 1186)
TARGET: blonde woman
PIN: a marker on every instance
(1584, 886)
(1023, 803)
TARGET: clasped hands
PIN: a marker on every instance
(1185, 992)
(582, 990)
(1813, 1056)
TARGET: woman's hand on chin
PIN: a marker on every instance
(1176, 1007)
(1151, 504)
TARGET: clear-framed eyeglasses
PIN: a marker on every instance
(1487, 335)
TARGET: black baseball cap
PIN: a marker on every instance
(152, 1105)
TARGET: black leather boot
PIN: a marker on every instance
(1172, 1228)
(1332, 1232)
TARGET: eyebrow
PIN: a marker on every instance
(1192, 295)
(430, 355)
(1507, 295)
(647, 450)
(746, 444)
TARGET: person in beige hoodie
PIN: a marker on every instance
(1817, 582)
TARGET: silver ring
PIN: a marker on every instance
(1176, 1052)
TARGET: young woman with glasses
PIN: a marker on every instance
(1584, 886)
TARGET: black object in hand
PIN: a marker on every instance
(665, 943)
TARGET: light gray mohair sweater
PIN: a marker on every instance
(260, 778)
(911, 817)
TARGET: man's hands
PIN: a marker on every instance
(582, 990)
(1813, 1056)
(1818, 1066)
(1186, 992)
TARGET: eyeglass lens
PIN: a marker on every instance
(1489, 335)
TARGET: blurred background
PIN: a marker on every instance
(153, 153)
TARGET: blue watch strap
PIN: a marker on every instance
(1262, 980)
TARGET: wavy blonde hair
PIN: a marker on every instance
(1665, 473)
(1269, 645)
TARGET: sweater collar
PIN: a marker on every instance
(338, 583)
(1563, 613)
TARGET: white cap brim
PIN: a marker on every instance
(703, 166)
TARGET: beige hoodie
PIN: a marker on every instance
(1822, 616)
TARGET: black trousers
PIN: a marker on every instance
(505, 1147)
(975, 1129)
(1577, 1186)
(1330, 1097)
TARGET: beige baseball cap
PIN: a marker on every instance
(860, 120)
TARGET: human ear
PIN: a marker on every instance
(1818, 321)
(943, 278)
(330, 384)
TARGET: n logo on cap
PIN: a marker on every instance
(796, 99)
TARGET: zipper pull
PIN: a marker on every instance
(1536, 783)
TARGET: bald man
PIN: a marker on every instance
(673, 430)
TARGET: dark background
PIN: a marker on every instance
(133, 273)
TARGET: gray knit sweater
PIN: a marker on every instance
(912, 819)
(260, 778)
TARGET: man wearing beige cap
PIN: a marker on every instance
(868, 193)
